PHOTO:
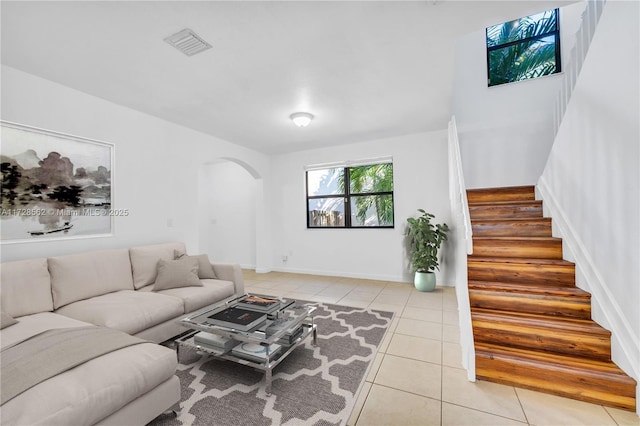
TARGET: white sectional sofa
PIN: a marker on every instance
(116, 290)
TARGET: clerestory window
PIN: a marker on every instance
(525, 48)
(350, 196)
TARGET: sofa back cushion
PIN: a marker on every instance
(144, 261)
(82, 276)
(25, 287)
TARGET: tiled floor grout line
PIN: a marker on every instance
(364, 402)
(487, 412)
(524, 413)
(406, 391)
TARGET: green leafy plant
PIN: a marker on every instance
(425, 239)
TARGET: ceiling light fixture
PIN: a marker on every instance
(301, 119)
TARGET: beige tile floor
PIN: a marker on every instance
(417, 377)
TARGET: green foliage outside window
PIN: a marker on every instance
(374, 178)
(525, 48)
(367, 200)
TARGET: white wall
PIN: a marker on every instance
(228, 213)
(163, 173)
(591, 183)
(420, 181)
(505, 131)
(156, 164)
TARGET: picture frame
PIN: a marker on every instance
(55, 186)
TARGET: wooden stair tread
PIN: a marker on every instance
(596, 381)
(532, 226)
(522, 270)
(543, 290)
(511, 219)
(503, 189)
(551, 301)
(506, 209)
(512, 192)
(516, 246)
(517, 238)
(582, 365)
(506, 203)
(526, 320)
(528, 261)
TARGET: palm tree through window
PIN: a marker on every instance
(350, 197)
(525, 48)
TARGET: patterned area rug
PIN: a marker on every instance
(314, 385)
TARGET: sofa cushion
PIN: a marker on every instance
(82, 276)
(177, 273)
(144, 261)
(30, 325)
(194, 298)
(127, 310)
(25, 287)
(205, 270)
(6, 320)
(88, 393)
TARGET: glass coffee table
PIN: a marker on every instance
(243, 330)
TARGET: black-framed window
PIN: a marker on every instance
(525, 48)
(358, 196)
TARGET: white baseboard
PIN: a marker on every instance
(362, 276)
(343, 274)
(625, 345)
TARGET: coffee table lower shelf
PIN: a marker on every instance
(267, 366)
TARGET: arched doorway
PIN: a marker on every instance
(229, 205)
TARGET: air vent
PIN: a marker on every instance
(188, 42)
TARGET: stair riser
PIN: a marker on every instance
(560, 275)
(532, 210)
(532, 304)
(555, 341)
(548, 249)
(519, 193)
(533, 228)
(610, 391)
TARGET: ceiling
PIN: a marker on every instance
(365, 69)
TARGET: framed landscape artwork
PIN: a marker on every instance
(54, 185)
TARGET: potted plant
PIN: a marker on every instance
(425, 239)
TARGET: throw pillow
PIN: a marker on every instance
(205, 270)
(6, 320)
(177, 273)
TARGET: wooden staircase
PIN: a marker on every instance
(532, 326)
